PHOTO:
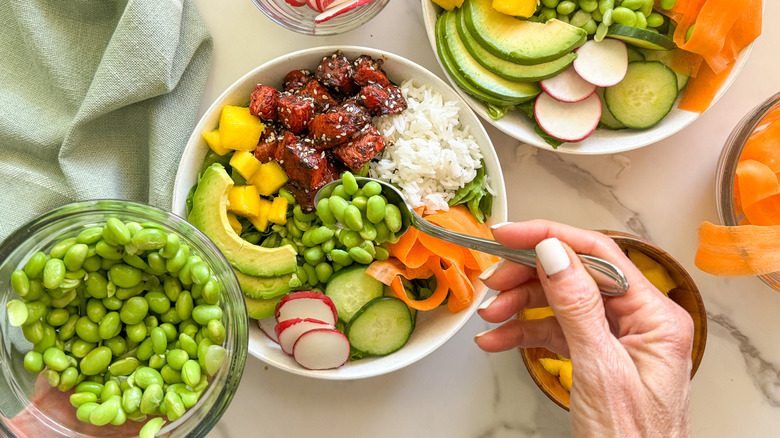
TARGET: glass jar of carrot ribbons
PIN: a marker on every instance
(748, 199)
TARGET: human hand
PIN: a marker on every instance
(631, 355)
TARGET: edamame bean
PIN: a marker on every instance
(156, 264)
(360, 255)
(340, 192)
(211, 292)
(580, 18)
(589, 5)
(53, 273)
(624, 16)
(147, 376)
(83, 412)
(184, 305)
(81, 348)
(131, 399)
(353, 218)
(368, 232)
(159, 340)
(150, 429)
(88, 386)
(112, 302)
(668, 4)
(124, 275)
(188, 344)
(18, 313)
(110, 389)
(96, 361)
(190, 373)
(321, 234)
(206, 312)
(157, 361)
(96, 285)
(314, 255)
(58, 250)
(55, 359)
(34, 266)
(172, 288)
(640, 21)
(172, 245)
(605, 5)
(124, 367)
(177, 262)
(20, 283)
(632, 4)
(337, 205)
(324, 213)
(371, 188)
(77, 399)
(216, 330)
(116, 231)
(328, 245)
(349, 183)
(153, 396)
(601, 32)
(49, 338)
(381, 253)
(108, 252)
(200, 272)
(393, 218)
(655, 20)
(33, 362)
(109, 326)
(104, 413)
(175, 406)
(120, 418)
(149, 239)
(87, 330)
(134, 310)
(566, 7)
(135, 261)
(91, 235)
(341, 257)
(57, 317)
(323, 270)
(375, 209)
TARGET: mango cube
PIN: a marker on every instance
(564, 375)
(552, 366)
(245, 163)
(653, 271)
(244, 201)
(212, 139)
(239, 129)
(269, 178)
(517, 8)
(260, 221)
(234, 223)
(278, 212)
(449, 4)
(537, 313)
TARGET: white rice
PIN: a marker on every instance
(429, 154)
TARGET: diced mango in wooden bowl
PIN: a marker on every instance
(552, 373)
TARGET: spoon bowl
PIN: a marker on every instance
(608, 277)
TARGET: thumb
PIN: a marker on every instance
(574, 297)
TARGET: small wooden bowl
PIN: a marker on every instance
(686, 295)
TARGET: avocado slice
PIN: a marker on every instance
(209, 214)
(261, 308)
(480, 77)
(508, 69)
(521, 41)
(257, 287)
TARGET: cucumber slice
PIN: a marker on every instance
(350, 289)
(666, 56)
(643, 38)
(480, 77)
(381, 327)
(645, 96)
(607, 119)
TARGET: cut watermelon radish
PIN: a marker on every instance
(306, 304)
(288, 331)
(296, 3)
(321, 349)
(315, 5)
(604, 63)
(568, 86)
(267, 326)
(569, 122)
(339, 7)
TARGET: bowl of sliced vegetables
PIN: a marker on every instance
(320, 17)
(553, 373)
(586, 77)
(335, 273)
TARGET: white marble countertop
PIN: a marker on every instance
(662, 192)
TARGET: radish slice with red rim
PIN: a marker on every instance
(267, 326)
(296, 3)
(321, 349)
(306, 304)
(287, 332)
(568, 86)
(314, 5)
(604, 63)
(569, 122)
(339, 7)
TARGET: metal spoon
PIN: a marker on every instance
(609, 277)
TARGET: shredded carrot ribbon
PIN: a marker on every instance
(722, 29)
(417, 255)
(752, 247)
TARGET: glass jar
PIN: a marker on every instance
(40, 235)
(301, 18)
(727, 168)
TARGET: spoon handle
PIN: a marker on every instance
(608, 277)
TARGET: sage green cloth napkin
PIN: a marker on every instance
(97, 100)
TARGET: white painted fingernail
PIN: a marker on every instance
(490, 271)
(480, 334)
(552, 255)
(497, 226)
(485, 304)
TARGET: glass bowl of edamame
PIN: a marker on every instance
(118, 319)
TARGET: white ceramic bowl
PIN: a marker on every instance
(603, 141)
(433, 328)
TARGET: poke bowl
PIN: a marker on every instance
(457, 36)
(432, 328)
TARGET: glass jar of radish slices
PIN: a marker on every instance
(320, 17)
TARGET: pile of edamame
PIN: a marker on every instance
(595, 16)
(127, 316)
(352, 225)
